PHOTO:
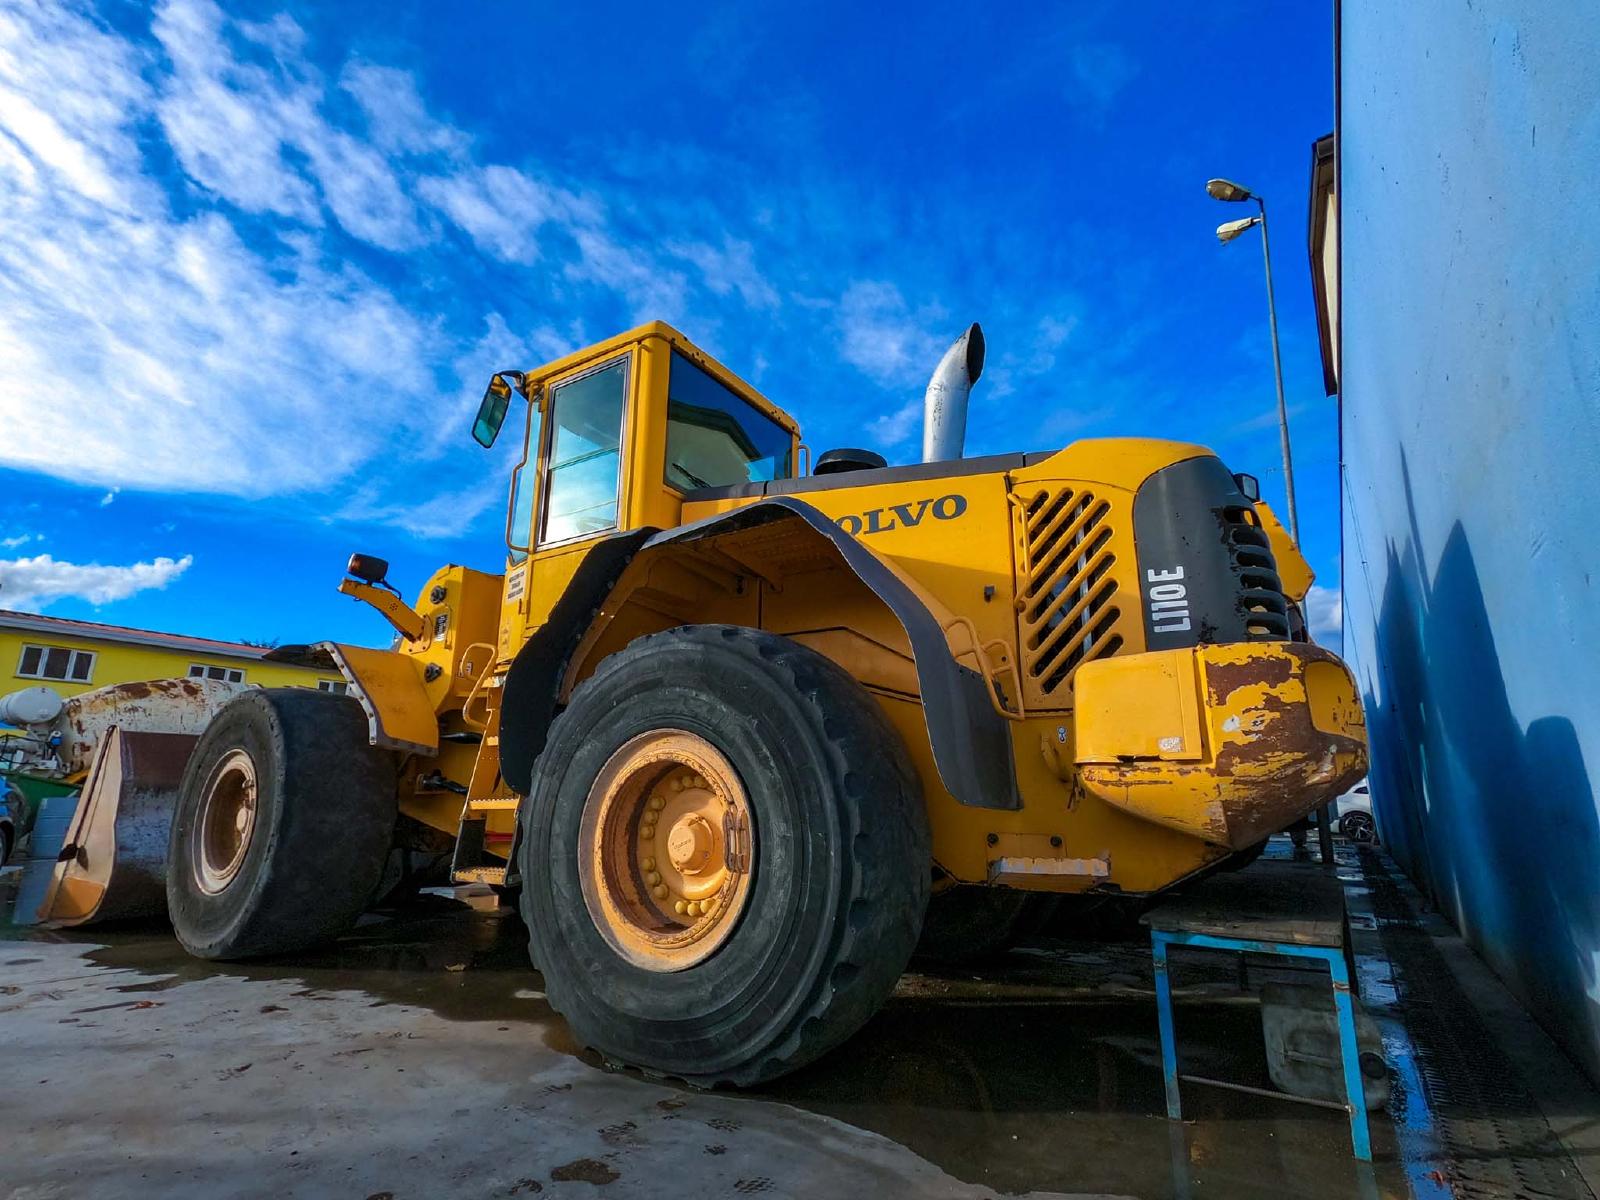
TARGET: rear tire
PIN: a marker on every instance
(315, 805)
(838, 859)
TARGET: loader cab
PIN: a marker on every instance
(615, 436)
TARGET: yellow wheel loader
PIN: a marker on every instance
(729, 717)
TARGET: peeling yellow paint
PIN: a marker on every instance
(1282, 735)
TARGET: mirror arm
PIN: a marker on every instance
(408, 622)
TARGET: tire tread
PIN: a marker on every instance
(886, 893)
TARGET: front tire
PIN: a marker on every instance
(284, 821)
(739, 955)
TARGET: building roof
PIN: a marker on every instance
(60, 627)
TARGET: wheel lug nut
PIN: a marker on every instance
(677, 783)
(659, 891)
(653, 878)
(657, 803)
(680, 907)
(649, 864)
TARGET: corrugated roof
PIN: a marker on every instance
(61, 627)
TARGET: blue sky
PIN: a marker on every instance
(259, 259)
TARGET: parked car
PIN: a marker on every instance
(1355, 814)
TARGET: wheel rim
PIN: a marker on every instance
(1359, 828)
(666, 850)
(226, 821)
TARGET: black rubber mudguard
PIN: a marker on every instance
(528, 703)
(971, 742)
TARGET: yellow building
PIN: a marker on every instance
(76, 656)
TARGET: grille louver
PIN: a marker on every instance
(1066, 589)
(1260, 589)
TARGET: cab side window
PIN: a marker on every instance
(585, 453)
(523, 489)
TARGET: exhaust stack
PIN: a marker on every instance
(944, 407)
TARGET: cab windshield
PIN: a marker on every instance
(716, 438)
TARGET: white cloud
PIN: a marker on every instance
(21, 539)
(892, 429)
(226, 269)
(729, 269)
(501, 209)
(109, 497)
(238, 127)
(397, 118)
(225, 343)
(652, 291)
(882, 337)
(193, 361)
(449, 514)
(30, 584)
(228, 120)
(1325, 616)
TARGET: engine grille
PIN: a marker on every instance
(1260, 590)
(1066, 590)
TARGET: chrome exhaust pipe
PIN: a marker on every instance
(944, 406)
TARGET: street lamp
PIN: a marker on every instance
(1229, 230)
(1227, 190)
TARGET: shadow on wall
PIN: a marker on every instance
(1496, 822)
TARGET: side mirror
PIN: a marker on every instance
(492, 411)
(1249, 485)
(368, 568)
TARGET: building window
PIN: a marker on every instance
(56, 662)
(337, 686)
(225, 674)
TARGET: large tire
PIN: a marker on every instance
(840, 860)
(324, 818)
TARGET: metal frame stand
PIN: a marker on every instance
(1344, 1007)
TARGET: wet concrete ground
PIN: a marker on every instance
(417, 1057)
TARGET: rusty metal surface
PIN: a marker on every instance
(183, 706)
(1268, 764)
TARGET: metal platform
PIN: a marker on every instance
(1292, 910)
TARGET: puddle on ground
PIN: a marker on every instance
(1043, 1074)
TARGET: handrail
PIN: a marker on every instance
(980, 651)
(483, 675)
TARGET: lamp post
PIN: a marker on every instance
(1223, 189)
(1227, 190)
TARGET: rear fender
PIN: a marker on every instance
(971, 742)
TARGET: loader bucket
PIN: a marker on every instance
(113, 865)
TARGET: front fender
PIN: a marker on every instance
(389, 686)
